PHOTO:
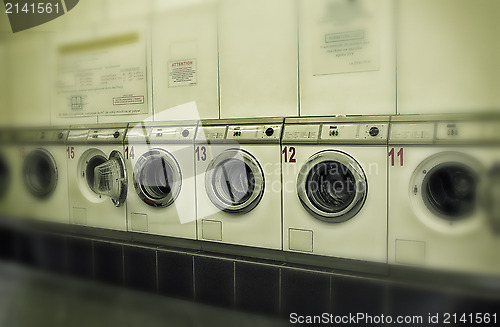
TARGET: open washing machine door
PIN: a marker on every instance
(234, 181)
(157, 178)
(40, 173)
(110, 179)
(332, 186)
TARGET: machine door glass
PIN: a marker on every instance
(4, 174)
(157, 178)
(449, 190)
(110, 178)
(234, 181)
(332, 186)
(40, 173)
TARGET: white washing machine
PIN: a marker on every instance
(443, 188)
(97, 176)
(238, 182)
(448, 54)
(161, 179)
(185, 57)
(347, 57)
(44, 188)
(258, 58)
(335, 187)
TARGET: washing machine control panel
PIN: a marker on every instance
(465, 131)
(212, 133)
(254, 132)
(301, 133)
(174, 133)
(412, 132)
(110, 135)
(376, 132)
(50, 136)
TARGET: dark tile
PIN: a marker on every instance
(108, 262)
(406, 300)
(304, 293)
(175, 275)
(353, 295)
(257, 287)
(50, 253)
(472, 304)
(79, 257)
(214, 281)
(7, 244)
(140, 268)
(25, 247)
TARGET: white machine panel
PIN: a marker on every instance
(301, 133)
(448, 60)
(376, 132)
(211, 133)
(177, 133)
(184, 54)
(254, 133)
(258, 58)
(412, 132)
(462, 131)
(347, 57)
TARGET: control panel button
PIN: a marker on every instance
(116, 134)
(374, 131)
(269, 131)
(185, 133)
(60, 136)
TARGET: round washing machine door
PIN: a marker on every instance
(445, 190)
(40, 173)
(332, 186)
(108, 177)
(157, 178)
(234, 181)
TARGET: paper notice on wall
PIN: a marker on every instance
(101, 74)
(344, 36)
(182, 73)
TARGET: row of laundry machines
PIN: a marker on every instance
(120, 61)
(405, 190)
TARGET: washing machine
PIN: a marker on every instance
(238, 182)
(44, 190)
(161, 179)
(347, 57)
(335, 187)
(443, 189)
(97, 176)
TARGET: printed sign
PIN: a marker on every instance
(345, 36)
(102, 74)
(182, 73)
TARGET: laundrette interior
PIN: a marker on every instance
(222, 162)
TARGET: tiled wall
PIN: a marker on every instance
(265, 287)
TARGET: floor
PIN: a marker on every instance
(36, 298)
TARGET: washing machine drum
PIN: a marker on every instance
(157, 178)
(40, 173)
(234, 181)
(4, 174)
(449, 190)
(332, 186)
(108, 177)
